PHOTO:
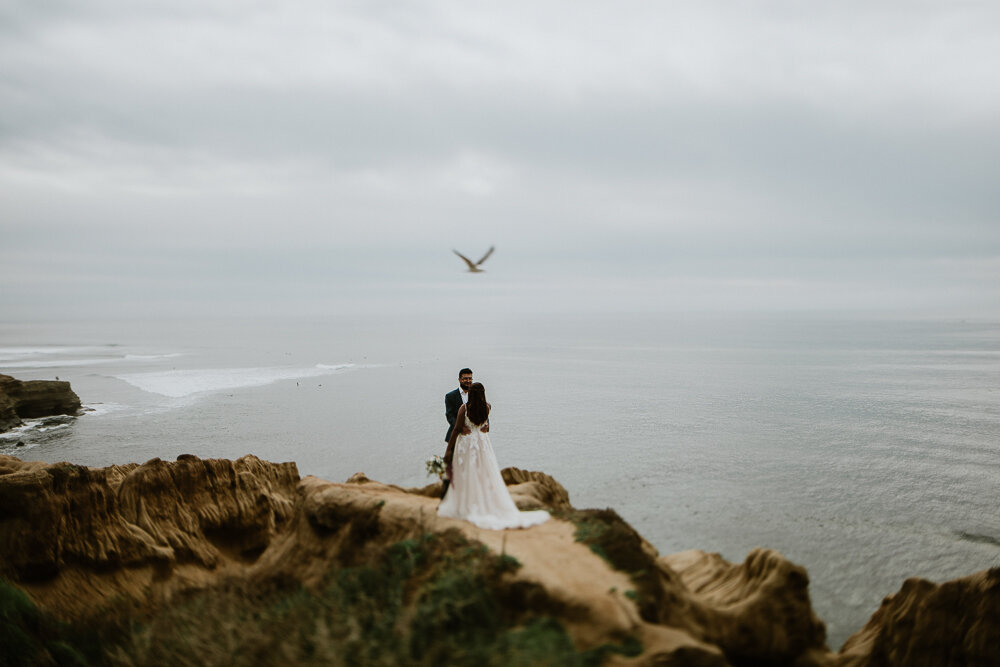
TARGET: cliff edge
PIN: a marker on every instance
(381, 563)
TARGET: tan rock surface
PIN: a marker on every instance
(72, 537)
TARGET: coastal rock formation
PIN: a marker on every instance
(78, 539)
(759, 611)
(31, 399)
(927, 624)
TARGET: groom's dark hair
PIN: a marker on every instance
(465, 371)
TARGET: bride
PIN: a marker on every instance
(477, 492)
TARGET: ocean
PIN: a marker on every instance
(867, 451)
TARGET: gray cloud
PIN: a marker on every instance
(808, 154)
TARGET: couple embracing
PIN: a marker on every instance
(474, 489)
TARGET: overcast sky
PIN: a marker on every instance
(206, 156)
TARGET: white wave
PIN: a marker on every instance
(18, 432)
(57, 363)
(14, 352)
(53, 427)
(93, 361)
(41, 356)
(181, 383)
(149, 357)
(41, 425)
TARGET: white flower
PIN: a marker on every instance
(437, 466)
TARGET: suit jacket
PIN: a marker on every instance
(452, 402)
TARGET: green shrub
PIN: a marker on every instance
(611, 538)
(30, 637)
(436, 600)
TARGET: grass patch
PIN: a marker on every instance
(611, 538)
(28, 636)
(436, 600)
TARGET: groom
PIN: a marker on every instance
(456, 398)
(453, 400)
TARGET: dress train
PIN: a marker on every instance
(477, 492)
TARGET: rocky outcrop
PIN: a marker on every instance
(31, 399)
(759, 612)
(927, 624)
(72, 537)
(75, 536)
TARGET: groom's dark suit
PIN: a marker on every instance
(452, 402)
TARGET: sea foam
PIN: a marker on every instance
(181, 383)
(149, 357)
(80, 355)
(42, 425)
(21, 351)
(22, 356)
(58, 363)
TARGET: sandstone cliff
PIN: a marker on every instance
(927, 624)
(77, 539)
(34, 398)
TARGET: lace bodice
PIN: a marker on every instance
(471, 426)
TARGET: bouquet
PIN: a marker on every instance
(437, 466)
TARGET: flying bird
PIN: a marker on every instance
(474, 266)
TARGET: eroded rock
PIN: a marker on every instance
(31, 399)
(932, 625)
(73, 537)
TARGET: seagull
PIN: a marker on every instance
(474, 266)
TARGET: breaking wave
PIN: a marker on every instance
(181, 383)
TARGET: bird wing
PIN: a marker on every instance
(465, 259)
(488, 253)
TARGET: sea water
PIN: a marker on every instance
(866, 451)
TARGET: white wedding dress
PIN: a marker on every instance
(477, 492)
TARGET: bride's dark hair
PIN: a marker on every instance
(477, 409)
